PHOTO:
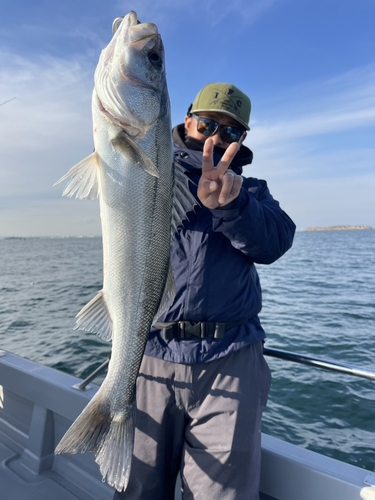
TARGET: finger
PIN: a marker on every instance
(207, 186)
(205, 191)
(227, 158)
(208, 155)
(231, 187)
(227, 186)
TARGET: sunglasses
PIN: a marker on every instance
(209, 127)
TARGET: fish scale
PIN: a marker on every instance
(143, 196)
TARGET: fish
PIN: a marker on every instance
(143, 196)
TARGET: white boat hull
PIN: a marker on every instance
(38, 404)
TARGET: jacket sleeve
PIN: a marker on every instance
(255, 224)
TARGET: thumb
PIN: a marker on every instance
(212, 186)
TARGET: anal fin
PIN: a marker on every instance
(94, 318)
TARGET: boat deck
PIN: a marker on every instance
(17, 483)
(38, 404)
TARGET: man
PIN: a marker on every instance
(203, 382)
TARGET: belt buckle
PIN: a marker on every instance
(203, 330)
(219, 330)
(188, 329)
(168, 332)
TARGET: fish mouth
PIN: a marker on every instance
(119, 69)
(136, 33)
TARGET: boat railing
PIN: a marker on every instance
(325, 364)
(85, 383)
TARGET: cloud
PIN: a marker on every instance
(334, 187)
(211, 12)
(325, 122)
(329, 202)
(48, 128)
(48, 217)
(248, 11)
(47, 125)
(315, 155)
(346, 102)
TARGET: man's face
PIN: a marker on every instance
(221, 118)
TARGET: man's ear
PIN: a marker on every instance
(187, 120)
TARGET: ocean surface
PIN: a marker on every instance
(319, 299)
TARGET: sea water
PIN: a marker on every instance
(318, 300)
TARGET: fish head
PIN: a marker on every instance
(130, 79)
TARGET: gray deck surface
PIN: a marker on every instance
(44, 487)
(14, 487)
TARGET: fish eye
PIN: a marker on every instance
(155, 59)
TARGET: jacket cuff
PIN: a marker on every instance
(233, 208)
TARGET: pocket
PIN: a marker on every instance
(265, 379)
(269, 380)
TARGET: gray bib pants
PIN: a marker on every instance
(203, 422)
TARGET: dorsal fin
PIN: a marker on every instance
(168, 295)
(183, 200)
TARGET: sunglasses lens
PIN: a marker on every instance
(206, 127)
(230, 134)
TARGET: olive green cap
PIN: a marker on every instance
(223, 98)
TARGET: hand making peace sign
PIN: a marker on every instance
(218, 186)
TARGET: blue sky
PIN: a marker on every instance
(307, 65)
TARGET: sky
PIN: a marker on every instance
(308, 67)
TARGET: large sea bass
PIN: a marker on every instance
(143, 197)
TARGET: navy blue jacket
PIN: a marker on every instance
(213, 256)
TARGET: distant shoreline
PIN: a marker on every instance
(340, 228)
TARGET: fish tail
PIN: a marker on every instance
(115, 453)
(109, 436)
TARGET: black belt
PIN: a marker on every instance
(201, 329)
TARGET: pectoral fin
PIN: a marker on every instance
(134, 153)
